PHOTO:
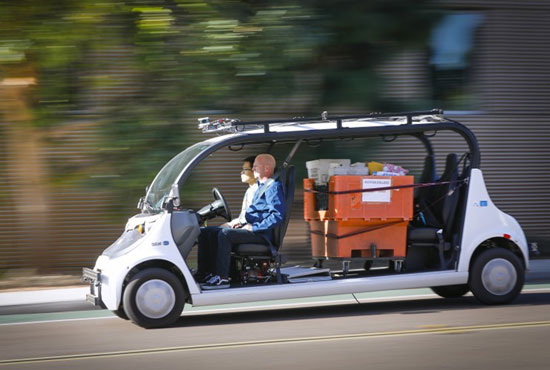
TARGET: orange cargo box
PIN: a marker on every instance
(318, 239)
(347, 239)
(381, 205)
(310, 212)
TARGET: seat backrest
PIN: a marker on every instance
(287, 178)
(429, 174)
(449, 195)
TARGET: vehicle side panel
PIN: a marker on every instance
(332, 287)
(483, 221)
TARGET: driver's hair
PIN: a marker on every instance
(250, 159)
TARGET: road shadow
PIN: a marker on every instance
(408, 307)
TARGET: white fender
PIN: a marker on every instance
(157, 244)
(483, 220)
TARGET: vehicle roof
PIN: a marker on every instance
(348, 123)
(419, 124)
(227, 126)
(422, 126)
(316, 126)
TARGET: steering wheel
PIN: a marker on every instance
(218, 207)
(222, 209)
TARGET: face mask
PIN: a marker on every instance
(245, 177)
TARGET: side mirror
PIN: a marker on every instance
(141, 202)
(175, 195)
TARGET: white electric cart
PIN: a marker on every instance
(472, 245)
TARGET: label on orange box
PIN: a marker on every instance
(383, 196)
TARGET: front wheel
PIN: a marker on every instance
(496, 276)
(120, 313)
(154, 298)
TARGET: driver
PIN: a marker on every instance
(208, 238)
(264, 214)
(247, 176)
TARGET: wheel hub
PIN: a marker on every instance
(155, 298)
(499, 276)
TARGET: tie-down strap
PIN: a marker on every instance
(413, 186)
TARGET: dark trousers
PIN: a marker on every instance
(208, 246)
(227, 238)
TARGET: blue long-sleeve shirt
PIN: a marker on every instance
(267, 209)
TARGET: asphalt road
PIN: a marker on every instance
(428, 333)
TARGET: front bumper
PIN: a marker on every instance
(94, 279)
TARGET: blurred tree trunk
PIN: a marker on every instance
(29, 178)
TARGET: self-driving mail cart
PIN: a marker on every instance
(463, 243)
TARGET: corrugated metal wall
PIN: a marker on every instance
(511, 80)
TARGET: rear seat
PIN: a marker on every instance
(438, 233)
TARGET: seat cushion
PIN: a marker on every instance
(252, 250)
(422, 234)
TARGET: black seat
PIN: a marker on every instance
(439, 232)
(424, 196)
(249, 250)
(447, 197)
(429, 174)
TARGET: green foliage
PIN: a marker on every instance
(188, 56)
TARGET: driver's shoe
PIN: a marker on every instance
(202, 277)
(216, 282)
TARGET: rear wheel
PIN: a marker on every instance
(154, 298)
(451, 291)
(496, 276)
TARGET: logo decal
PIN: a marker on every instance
(158, 244)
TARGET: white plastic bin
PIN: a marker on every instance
(319, 169)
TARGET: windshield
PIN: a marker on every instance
(160, 188)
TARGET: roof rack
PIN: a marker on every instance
(234, 125)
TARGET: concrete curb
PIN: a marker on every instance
(43, 296)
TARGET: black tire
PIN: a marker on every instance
(451, 291)
(496, 276)
(120, 313)
(154, 298)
